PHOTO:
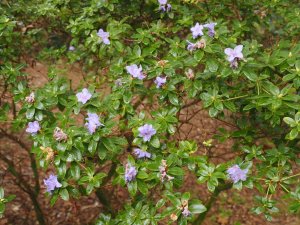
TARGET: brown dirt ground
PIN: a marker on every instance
(231, 208)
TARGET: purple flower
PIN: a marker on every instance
(235, 53)
(159, 81)
(141, 154)
(52, 183)
(92, 122)
(234, 64)
(59, 135)
(130, 173)
(162, 2)
(197, 30)
(104, 36)
(71, 48)
(211, 28)
(191, 46)
(236, 173)
(33, 127)
(135, 71)
(186, 212)
(83, 96)
(146, 132)
(30, 98)
(164, 6)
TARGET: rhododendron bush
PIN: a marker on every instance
(145, 63)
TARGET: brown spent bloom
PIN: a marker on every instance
(190, 74)
(162, 63)
(49, 153)
(201, 43)
(163, 172)
(173, 217)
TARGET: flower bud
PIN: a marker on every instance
(30, 98)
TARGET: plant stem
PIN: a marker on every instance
(100, 192)
(237, 97)
(199, 220)
(26, 188)
(286, 178)
(104, 201)
(31, 156)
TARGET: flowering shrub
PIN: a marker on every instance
(238, 60)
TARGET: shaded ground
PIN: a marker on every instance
(232, 208)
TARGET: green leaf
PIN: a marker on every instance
(142, 175)
(230, 105)
(160, 203)
(102, 151)
(173, 99)
(171, 129)
(119, 141)
(127, 97)
(39, 116)
(270, 87)
(75, 171)
(186, 196)
(293, 134)
(142, 187)
(174, 200)
(132, 187)
(64, 194)
(92, 146)
(176, 171)
(289, 77)
(251, 75)
(289, 121)
(197, 208)
(1, 192)
(110, 146)
(30, 113)
(212, 65)
(155, 142)
(218, 105)
(211, 185)
(198, 55)
(213, 112)
(61, 146)
(53, 199)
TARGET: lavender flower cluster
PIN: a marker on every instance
(130, 173)
(233, 55)
(146, 132)
(164, 6)
(93, 122)
(52, 183)
(236, 174)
